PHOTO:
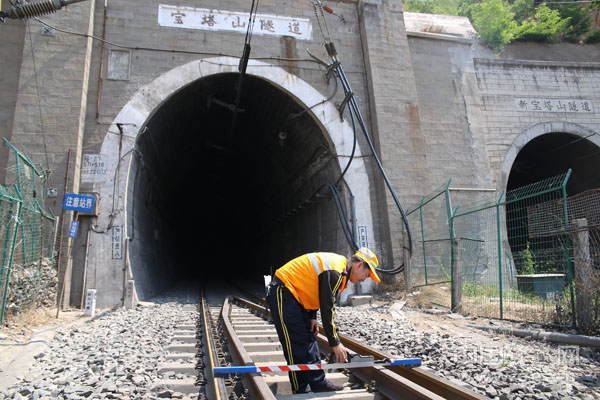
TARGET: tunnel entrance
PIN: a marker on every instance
(553, 154)
(535, 223)
(225, 191)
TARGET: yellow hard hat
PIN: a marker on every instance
(371, 259)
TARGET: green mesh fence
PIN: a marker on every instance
(10, 209)
(530, 255)
(431, 263)
(28, 273)
(515, 256)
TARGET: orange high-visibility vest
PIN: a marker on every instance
(301, 276)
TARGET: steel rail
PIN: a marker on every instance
(418, 375)
(415, 378)
(218, 386)
(257, 384)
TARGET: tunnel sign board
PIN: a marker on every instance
(73, 229)
(93, 168)
(362, 236)
(554, 105)
(117, 242)
(79, 202)
(177, 16)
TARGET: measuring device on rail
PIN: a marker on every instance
(355, 362)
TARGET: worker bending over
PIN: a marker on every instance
(300, 288)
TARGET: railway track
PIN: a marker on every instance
(237, 331)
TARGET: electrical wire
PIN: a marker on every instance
(37, 91)
(341, 210)
(331, 96)
(337, 67)
(354, 141)
(157, 49)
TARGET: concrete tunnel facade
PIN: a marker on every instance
(177, 212)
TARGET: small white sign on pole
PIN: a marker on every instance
(90, 302)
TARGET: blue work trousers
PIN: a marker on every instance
(299, 343)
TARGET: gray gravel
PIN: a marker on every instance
(116, 355)
(496, 366)
(113, 356)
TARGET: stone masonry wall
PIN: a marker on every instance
(519, 95)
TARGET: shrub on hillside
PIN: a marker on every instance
(593, 37)
(545, 26)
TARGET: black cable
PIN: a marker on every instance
(353, 149)
(354, 105)
(341, 210)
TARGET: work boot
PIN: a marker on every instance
(327, 386)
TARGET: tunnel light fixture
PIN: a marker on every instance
(282, 137)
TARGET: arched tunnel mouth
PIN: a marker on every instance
(225, 182)
(535, 225)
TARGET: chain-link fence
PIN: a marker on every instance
(522, 273)
(530, 255)
(431, 263)
(27, 272)
(10, 211)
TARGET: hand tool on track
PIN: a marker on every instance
(355, 362)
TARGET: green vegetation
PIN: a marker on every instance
(528, 267)
(499, 22)
(511, 295)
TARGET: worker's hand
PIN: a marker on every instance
(314, 327)
(341, 355)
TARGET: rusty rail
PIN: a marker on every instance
(241, 357)
(394, 381)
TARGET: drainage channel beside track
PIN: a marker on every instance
(243, 335)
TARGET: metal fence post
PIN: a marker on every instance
(499, 230)
(423, 237)
(583, 274)
(567, 250)
(456, 279)
(407, 267)
(16, 221)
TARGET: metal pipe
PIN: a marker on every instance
(85, 263)
(101, 69)
(462, 189)
(578, 340)
(60, 233)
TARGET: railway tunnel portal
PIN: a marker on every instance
(212, 181)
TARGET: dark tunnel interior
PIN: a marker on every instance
(553, 154)
(219, 171)
(531, 220)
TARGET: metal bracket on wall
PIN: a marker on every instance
(344, 102)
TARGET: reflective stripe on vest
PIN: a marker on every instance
(318, 267)
(301, 276)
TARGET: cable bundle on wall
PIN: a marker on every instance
(355, 112)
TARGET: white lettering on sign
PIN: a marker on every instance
(93, 168)
(218, 20)
(554, 105)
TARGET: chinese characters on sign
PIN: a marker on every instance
(554, 105)
(362, 236)
(219, 20)
(93, 168)
(117, 242)
(79, 202)
(73, 229)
